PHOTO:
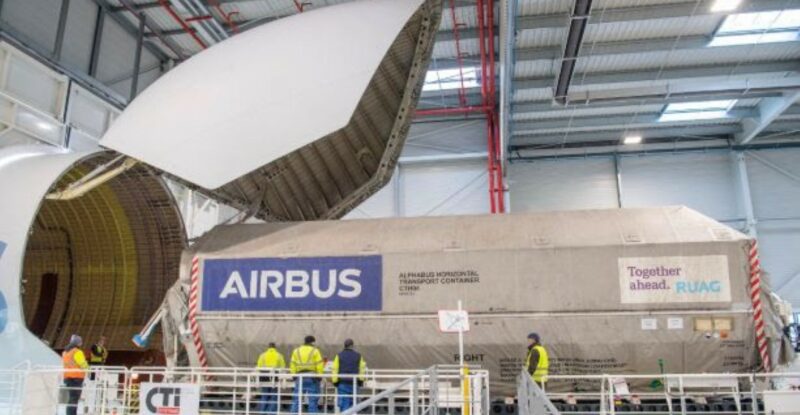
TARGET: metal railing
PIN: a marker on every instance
(116, 390)
(531, 399)
(672, 394)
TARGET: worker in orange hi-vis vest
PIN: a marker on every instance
(75, 366)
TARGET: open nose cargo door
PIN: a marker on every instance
(299, 119)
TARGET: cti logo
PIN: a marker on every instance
(170, 401)
(293, 284)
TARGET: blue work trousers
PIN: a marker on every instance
(310, 388)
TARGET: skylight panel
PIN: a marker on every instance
(723, 105)
(692, 116)
(699, 110)
(758, 27)
(748, 22)
(445, 79)
(754, 39)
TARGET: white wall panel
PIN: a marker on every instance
(35, 19)
(380, 205)
(776, 201)
(775, 195)
(562, 185)
(88, 113)
(705, 182)
(79, 34)
(779, 246)
(451, 137)
(117, 51)
(458, 188)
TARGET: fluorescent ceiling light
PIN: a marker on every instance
(444, 79)
(725, 5)
(754, 39)
(632, 139)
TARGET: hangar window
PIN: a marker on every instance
(700, 110)
(760, 27)
(445, 79)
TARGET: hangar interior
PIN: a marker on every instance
(550, 105)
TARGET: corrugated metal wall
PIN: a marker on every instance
(425, 187)
(36, 22)
(707, 182)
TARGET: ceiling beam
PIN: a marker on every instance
(680, 72)
(137, 7)
(664, 146)
(619, 48)
(684, 132)
(611, 122)
(131, 29)
(170, 32)
(640, 13)
(524, 107)
(769, 109)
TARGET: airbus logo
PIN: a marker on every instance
(352, 283)
(294, 284)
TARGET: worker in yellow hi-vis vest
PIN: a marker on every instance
(269, 361)
(306, 363)
(537, 363)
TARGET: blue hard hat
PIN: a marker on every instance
(534, 336)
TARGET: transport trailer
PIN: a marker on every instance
(629, 291)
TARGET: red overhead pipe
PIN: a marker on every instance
(462, 96)
(490, 25)
(168, 7)
(482, 50)
(450, 111)
(501, 191)
(199, 18)
(225, 16)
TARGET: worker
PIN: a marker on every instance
(75, 367)
(98, 354)
(537, 363)
(306, 363)
(269, 361)
(348, 362)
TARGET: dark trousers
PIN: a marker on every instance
(74, 388)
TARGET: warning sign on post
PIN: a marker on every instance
(453, 321)
(169, 399)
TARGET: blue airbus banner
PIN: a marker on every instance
(351, 283)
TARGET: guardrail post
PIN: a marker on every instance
(391, 405)
(299, 392)
(611, 404)
(413, 399)
(248, 391)
(603, 403)
(683, 395)
(753, 393)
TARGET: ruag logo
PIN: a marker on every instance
(351, 283)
